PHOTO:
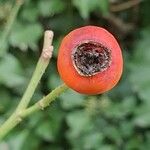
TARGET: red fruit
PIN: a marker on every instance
(90, 60)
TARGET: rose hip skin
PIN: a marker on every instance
(97, 44)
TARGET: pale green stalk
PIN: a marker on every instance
(17, 117)
(9, 25)
(42, 64)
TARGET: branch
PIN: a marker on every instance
(44, 102)
(124, 5)
(120, 25)
(9, 24)
(39, 71)
(17, 117)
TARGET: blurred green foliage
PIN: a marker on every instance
(117, 120)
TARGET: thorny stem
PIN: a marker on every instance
(39, 71)
(9, 24)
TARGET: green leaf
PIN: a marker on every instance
(26, 36)
(44, 130)
(5, 99)
(16, 142)
(85, 7)
(49, 127)
(104, 6)
(54, 81)
(93, 140)
(78, 122)
(30, 12)
(139, 66)
(121, 109)
(51, 7)
(126, 128)
(106, 147)
(71, 99)
(3, 47)
(112, 133)
(11, 73)
(142, 115)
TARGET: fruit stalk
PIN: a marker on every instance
(42, 64)
(18, 116)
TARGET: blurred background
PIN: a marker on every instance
(116, 120)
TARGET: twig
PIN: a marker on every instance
(43, 103)
(17, 117)
(124, 5)
(123, 27)
(9, 25)
(39, 71)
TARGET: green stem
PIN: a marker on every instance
(44, 102)
(17, 117)
(14, 118)
(39, 71)
(9, 24)
(42, 64)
